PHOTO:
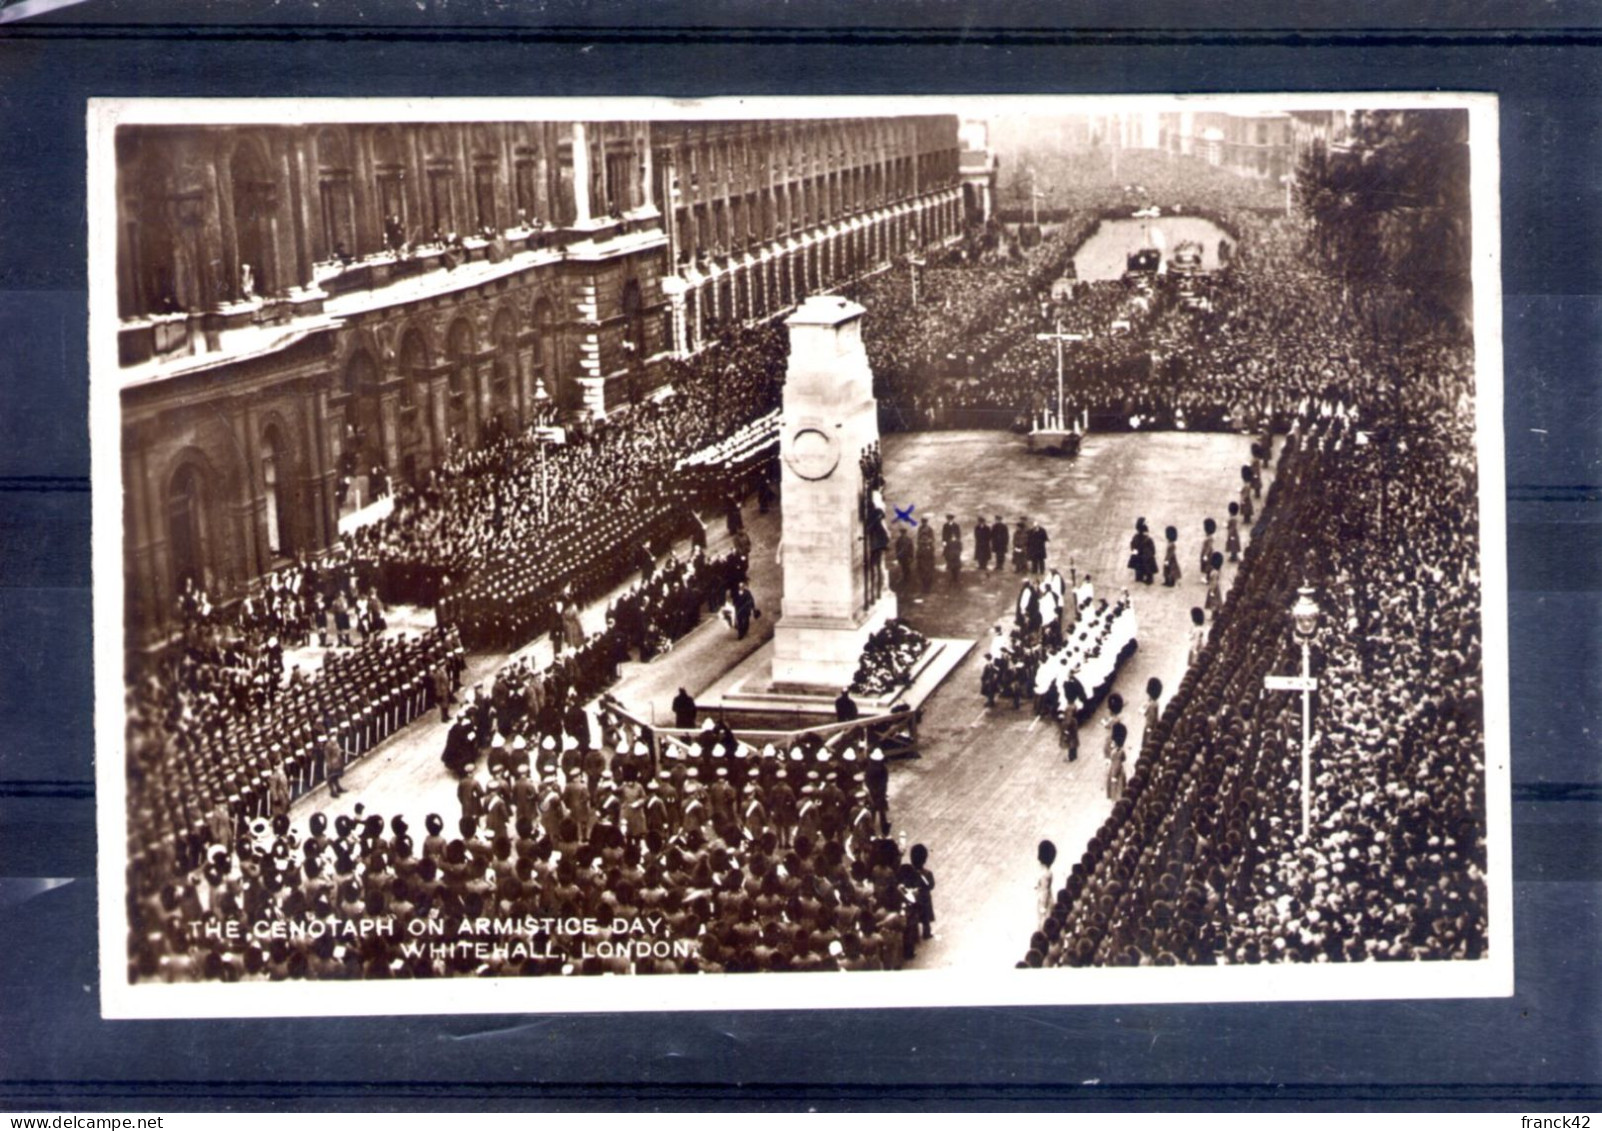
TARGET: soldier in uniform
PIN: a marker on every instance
(926, 558)
(950, 533)
(633, 800)
(333, 765)
(1171, 572)
(953, 553)
(1154, 694)
(876, 778)
(1198, 635)
(1209, 528)
(1143, 554)
(904, 558)
(1116, 778)
(278, 794)
(1215, 596)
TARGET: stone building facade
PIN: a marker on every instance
(299, 306)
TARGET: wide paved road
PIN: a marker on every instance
(991, 783)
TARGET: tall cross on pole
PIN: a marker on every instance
(1059, 337)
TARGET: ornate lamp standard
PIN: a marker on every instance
(1304, 619)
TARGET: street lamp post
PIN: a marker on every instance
(545, 435)
(1304, 619)
(914, 262)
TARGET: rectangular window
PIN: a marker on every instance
(335, 197)
(484, 194)
(441, 218)
(619, 182)
(523, 186)
(390, 197)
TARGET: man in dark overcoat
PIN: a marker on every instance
(999, 536)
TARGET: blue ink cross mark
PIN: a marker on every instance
(906, 515)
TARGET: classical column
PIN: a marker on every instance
(254, 503)
(389, 427)
(313, 524)
(439, 392)
(674, 289)
(299, 206)
(581, 176)
(326, 475)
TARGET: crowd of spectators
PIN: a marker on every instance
(1201, 860)
(499, 533)
(1152, 354)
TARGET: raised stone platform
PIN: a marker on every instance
(749, 685)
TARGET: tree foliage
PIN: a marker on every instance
(1390, 209)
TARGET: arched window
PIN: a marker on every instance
(361, 373)
(364, 431)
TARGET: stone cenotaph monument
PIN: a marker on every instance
(834, 598)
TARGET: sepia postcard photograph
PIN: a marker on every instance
(629, 554)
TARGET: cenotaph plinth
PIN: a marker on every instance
(834, 596)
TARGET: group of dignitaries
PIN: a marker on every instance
(917, 560)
